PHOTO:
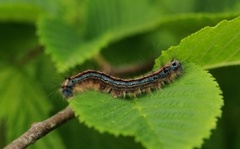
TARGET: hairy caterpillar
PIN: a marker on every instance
(117, 87)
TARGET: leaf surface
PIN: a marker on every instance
(211, 47)
(178, 116)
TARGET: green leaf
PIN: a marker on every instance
(211, 47)
(179, 116)
(22, 103)
(140, 48)
(66, 45)
(69, 47)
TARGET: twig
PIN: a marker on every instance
(122, 70)
(133, 68)
(103, 63)
(40, 129)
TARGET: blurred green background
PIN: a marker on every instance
(26, 66)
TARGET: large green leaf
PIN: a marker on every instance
(179, 116)
(206, 50)
(21, 104)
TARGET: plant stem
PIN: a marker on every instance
(40, 129)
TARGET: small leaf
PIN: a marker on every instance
(210, 47)
(179, 116)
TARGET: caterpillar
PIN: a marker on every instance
(120, 88)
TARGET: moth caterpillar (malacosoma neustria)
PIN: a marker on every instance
(118, 87)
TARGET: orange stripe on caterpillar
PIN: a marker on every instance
(118, 87)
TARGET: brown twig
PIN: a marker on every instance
(40, 129)
(133, 68)
(122, 70)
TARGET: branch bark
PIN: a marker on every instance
(40, 129)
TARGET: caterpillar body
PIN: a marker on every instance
(118, 87)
